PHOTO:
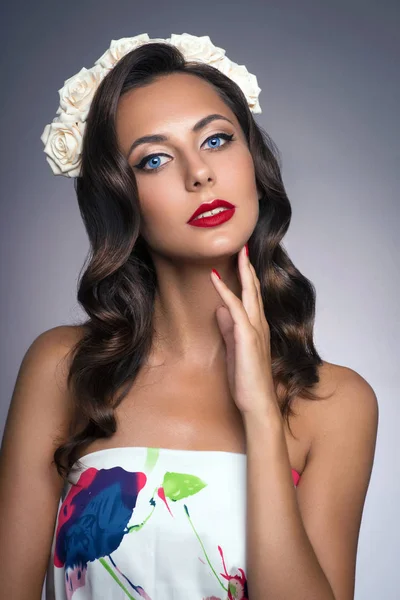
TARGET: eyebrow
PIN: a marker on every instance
(158, 137)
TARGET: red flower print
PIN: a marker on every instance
(93, 520)
(237, 586)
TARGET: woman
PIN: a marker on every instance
(202, 448)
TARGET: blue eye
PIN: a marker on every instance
(153, 159)
(214, 137)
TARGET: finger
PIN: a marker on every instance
(257, 285)
(249, 291)
(235, 306)
(227, 329)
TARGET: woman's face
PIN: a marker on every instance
(189, 168)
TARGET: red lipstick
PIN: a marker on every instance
(212, 220)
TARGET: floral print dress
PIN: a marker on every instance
(152, 523)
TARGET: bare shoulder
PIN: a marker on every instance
(336, 477)
(60, 339)
(40, 390)
(51, 353)
(38, 420)
(347, 398)
(54, 342)
(346, 385)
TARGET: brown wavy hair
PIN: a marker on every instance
(117, 288)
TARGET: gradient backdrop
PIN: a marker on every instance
(329, 73)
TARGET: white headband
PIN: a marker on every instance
(62, 138)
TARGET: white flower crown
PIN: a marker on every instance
(62, 138)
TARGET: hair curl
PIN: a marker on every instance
(117, 289)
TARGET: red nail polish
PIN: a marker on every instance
(217, 274)
(247, 249)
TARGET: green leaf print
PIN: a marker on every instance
(152, 455)
(180, 485)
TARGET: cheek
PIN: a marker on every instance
(242, 188)
(160, 203)
(247, 166)
(151, 196)
(240, 169)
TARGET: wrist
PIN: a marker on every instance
(260, 422)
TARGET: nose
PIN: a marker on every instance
(199, 173)
(198, 182)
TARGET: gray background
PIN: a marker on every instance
(329, 73)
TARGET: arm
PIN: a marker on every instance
(302, 542)
(30, 486)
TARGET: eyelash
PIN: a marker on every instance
(225, 136)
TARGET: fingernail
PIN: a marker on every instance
(247, 249)
(217, 274)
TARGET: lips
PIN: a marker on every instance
(206, 206)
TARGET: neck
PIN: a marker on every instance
(185, 324)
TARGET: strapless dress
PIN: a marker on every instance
(153, 524)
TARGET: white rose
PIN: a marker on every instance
(245, 80)
(162, 40)
(197, 48)
(78, 91)
(118, 49)
(62, 141)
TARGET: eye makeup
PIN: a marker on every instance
(141, 165)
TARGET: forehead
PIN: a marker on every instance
(177, 99)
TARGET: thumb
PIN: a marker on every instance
(225, 323)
